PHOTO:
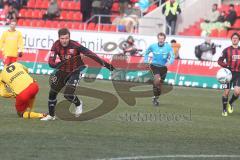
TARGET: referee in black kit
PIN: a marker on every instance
(65, 57)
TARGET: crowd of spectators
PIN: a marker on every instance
(9, 10)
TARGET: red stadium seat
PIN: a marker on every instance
(113, 28)
(31, 4)
(70, 15)
(237, 24)
(20, 22)
(64, 5)
(40, 23)
(75, 25)
(214, 33)
(34, 23)
(98, 27)
(22, 13)
(36, 13)
(91, 26)
(151, 8)
(28, 13)
(48, 24)
(43, 4)
(115, 7)
(64, 15)
(77, 16)
(106, 28)
(27, 22)
(222, 33)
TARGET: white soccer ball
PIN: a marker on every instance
(224, 75)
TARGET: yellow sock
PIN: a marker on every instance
(31, 115)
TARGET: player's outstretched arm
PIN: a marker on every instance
(95, 57)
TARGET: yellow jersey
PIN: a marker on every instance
(16, 77)
(4, 92)
(11, 43)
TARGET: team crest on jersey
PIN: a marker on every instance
(71, 51)
(53, 79)
(52, 53)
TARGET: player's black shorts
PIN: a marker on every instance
(162, 71)
(234, 82)
(60, 79)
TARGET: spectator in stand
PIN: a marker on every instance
(212, 17)
(171, 9)
(222, 17)
(223, 22)
(53, 10)
(11, 15)
(15, 4)
(106, 10)
(3, 14)
(86, 9)
(176, 46)
(96, 9)
(123, 4)
(232, 15)
(129, 21)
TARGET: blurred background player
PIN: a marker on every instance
(68, 68)
(162, 56)
(176, 47)
(11, 44)
(231, 59)
(22, 86)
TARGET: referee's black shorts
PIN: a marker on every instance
(162, 71)
(234, 82)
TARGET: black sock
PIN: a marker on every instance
(156, 91)
(51, 107)
(76, 101)
(233, 99)
(224, 102)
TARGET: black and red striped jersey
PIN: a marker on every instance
(230, 58)
(68, 59)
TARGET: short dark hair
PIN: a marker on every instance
(161, 34)
(231, 5)
(63, 31)
(173, 41)
(235, 34)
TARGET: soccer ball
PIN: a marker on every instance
(224, 75)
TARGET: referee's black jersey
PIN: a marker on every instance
(230, 58)
(69, 56)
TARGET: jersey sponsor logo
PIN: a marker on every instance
(235, 57)
(15, 76)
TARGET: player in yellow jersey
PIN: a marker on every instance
(11, 44)
(15, 76)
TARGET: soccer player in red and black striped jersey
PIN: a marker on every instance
(65, 57)
(231, 59)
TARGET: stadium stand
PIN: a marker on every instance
(194, 29)
(71, 17)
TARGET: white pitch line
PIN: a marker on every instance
(173, 156)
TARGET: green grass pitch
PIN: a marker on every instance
(197, 130)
